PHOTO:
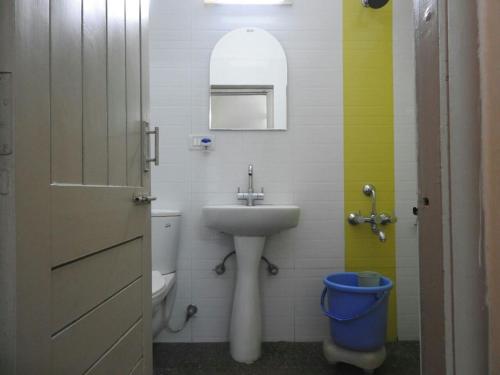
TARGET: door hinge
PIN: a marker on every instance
(4, 182)
(6, 122)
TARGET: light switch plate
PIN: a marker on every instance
(202, 142)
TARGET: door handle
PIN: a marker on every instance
(148, 159)
(140, 198)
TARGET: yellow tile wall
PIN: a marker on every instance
(369, 137)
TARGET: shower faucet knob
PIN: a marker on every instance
(387, 219)
(368, 190)
(355, 218)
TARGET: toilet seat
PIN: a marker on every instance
(157, 284)
(161, 285)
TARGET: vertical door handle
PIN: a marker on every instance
(148, 131)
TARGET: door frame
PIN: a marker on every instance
(446, 62)
(430, 199)
(489, 51)
(7, 209)
(32, 109)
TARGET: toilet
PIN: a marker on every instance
(165, 232)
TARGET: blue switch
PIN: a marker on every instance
(206, 141)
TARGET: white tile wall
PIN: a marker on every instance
(406, 171)
(303, 165)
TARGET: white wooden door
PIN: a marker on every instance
(83, 267)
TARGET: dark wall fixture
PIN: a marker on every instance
(374, 3)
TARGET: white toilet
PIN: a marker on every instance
(165, 231)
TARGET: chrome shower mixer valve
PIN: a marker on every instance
(375, 219)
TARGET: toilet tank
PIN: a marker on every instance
(165, 233)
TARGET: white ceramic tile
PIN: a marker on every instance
(214, 308)
(408, 305)
(213, 287)
(281, 285)
(312, 249)
(175, 58)
(409, 327)
(405, 173)
(178, 315)
(278, 328)
(311, 329)
(205, 329)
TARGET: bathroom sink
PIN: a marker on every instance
(251, 221)
(249, 225)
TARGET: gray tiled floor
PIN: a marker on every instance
(277, 359)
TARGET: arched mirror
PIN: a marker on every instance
(248, 82)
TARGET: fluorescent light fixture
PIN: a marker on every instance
(250, 2)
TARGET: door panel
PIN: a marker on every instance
(74, 293)
(133, 71)
(123, 356)
(117, 96)
(32, 203)
(88, 219)
(66, 90)
(137, 368)
(79, 346)
(95, 131)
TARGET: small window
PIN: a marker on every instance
(243, 108)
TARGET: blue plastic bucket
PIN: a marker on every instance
(358, 315)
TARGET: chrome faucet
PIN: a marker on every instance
(375, 219)
(250, 196)
(250, 178)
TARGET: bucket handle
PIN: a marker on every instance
(364, 313)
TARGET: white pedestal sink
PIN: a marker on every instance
(250, 225)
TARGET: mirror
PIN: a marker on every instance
(248, 82)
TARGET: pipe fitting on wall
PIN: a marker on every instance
(220, 269)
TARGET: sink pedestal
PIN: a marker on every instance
(250, 226)
(246, 320)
